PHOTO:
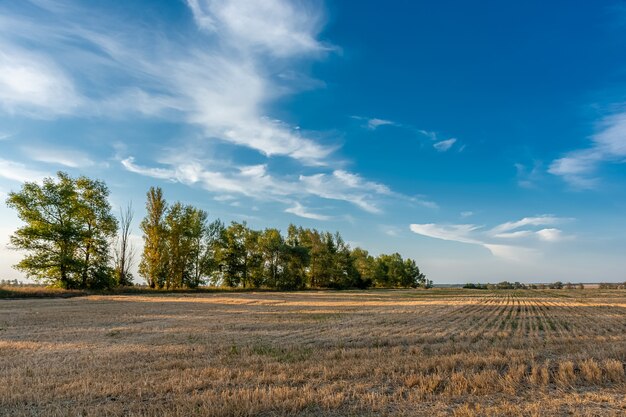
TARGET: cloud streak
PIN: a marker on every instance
(608, 145)
(491, 238)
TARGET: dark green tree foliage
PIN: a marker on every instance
(68, 227)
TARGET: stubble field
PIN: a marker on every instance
(401, 352)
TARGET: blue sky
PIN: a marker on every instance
(488, 143)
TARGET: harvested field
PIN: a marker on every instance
(399, 352)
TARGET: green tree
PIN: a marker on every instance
(365, 264)
(67, 229)
(413, 276)
(232, 254)
(213, 242)
(153, 265)
(179, 242)
(98, 228)
(272, 246)
(198, 229)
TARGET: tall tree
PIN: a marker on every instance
(232, 254)
(153, 265)
(198, 230)
(272, 248)
(67, 230)
(98, 228)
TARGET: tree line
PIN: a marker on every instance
(182, 249)
(505, 285)
(73, 240)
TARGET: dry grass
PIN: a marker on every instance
(405, 352)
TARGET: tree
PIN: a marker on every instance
(272, 247)
(67, 231)
(213, 242)
(153, 265)
(365, 264)
(413, 276)
(231, 255)
(198, 229)
(98, 227)
(124, 254)
(179, 244)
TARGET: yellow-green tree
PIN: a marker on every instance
(154, 259)
(66, 233)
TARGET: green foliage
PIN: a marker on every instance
(153, 265)
(69, 226)
(67, 231)
(191, 252)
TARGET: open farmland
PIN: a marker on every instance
(400, 352)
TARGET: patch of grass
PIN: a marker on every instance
(282, 354)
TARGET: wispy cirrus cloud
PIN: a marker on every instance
(491, 239)
(221, 80)
(257, 182)
(16, 171)
(608, 145)
(301, 211)
(70, 158)
(444, 145)
(221, 77)
(374, 123)
(34, 84)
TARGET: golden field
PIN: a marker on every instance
(381, 352)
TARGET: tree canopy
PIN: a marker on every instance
(67, 231)
(182, 249)
(71, 240)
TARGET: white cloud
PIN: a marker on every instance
(222, 81)
(345, 186)
(552, 235)
(34, 84)
(256, 182)
(444, 145)
(465, 214)
(489, 239)
(579, 167)
(16, 171)
(513, 235)
(373, 124)
(544, 220)
(66, 157)
(301, 211)
(455, 232)
(282, 28)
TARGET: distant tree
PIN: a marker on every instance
(232, 254)
(197, 265)
(124, 253)
(67, 232)
(272, 248)
(213, 242)
(413, 276)
(298, 258)
(154, 262)
(365, 264)
(179, 244)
